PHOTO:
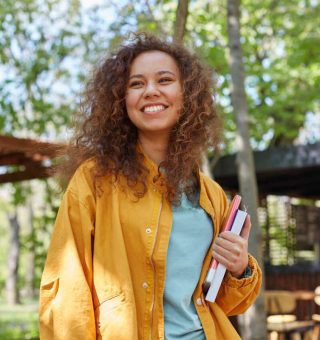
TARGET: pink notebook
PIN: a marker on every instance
(227, 223)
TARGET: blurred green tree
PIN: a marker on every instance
(280, 43)
(46, 50)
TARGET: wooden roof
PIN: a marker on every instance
(291, 171)
(24, 159)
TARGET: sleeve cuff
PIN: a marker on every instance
(246, 278)
(247, 273)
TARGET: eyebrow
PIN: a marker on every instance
(158, 73)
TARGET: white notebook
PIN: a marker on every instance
(221, 269)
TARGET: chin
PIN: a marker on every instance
(156, 129)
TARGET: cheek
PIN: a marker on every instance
(177, 96)
(132, 100)
(179, 102)
(130, 108)
(127, 99)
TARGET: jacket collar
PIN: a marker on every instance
(158, 182)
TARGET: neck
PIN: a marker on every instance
(154, 146)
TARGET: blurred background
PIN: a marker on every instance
(48, 49)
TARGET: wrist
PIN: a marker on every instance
(239, 273)
(244, 274)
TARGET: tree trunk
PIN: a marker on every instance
(181, 21)
(179, 31)
(253, 322)
(30, 257)
(12, 292)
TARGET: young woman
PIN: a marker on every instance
(134, 234)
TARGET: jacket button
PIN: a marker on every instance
(148, 230)
(145, 285)
(199, 302)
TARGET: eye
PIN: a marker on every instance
(136, 84)
(165, 80)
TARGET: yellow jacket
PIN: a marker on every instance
(105, 271)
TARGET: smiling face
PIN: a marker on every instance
(154, 93)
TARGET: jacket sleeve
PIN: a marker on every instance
(237, 295)
(66, 305)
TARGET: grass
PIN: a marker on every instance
(19, 322)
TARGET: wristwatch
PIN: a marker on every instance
(247, 273)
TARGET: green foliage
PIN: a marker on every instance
(45, 47)
(280, 45)
(20, 193)
(281, 70)
(46, 50)
(45, 57)
(43, 224)
(31, 57)
(19, 322)
(44, 196)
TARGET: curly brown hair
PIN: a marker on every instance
(108, 135)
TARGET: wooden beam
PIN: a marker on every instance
(296, 184)
(29, 155)
(274, 159)
(292, 171)
(29, 146)
(39, 172)
(17, 158)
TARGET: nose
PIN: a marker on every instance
(151, 90)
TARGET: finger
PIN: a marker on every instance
(221, 259)
(232, 262)
(230, 236)
(227, 242)
(246, 228)
(228, 253)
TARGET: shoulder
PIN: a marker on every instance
(81, 187)
(210, 185)
(212, 194)
(83, 176)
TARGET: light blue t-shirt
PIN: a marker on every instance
(190, 239)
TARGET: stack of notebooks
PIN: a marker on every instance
(233, 222)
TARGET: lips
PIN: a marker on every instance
(154, 108)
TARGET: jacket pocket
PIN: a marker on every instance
(50, 289)
(112, 317)
(48, 292)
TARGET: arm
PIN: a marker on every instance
(66, 307)
(237, 295)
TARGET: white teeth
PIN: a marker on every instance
(154, 108)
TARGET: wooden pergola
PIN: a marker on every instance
(290, 171)
(25, 159)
